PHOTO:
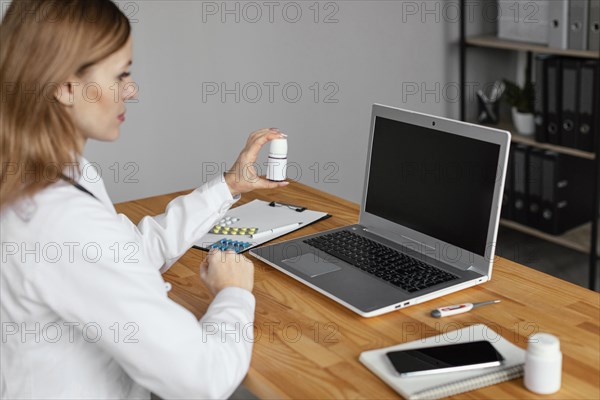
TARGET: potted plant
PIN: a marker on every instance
(521, 100)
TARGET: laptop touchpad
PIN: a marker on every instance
(311, 264)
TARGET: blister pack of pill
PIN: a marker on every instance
(228, 244)
(229, 226)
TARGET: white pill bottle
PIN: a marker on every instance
(277, 161)
(543, 364)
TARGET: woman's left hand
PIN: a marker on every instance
(243, 177)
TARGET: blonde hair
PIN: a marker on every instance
(42, 44)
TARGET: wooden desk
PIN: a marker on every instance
(307, 346)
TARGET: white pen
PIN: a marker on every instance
(273, 231)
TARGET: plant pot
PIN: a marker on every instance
(524, 123)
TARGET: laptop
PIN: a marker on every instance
(428, 218)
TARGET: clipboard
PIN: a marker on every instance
(264, 216)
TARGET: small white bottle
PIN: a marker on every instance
(543, 364)
(277, 162)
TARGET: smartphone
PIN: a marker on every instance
(448, 358)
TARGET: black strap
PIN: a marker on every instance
(77, 185)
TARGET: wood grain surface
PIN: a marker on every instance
(307, 346)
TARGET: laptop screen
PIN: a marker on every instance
(433, 182)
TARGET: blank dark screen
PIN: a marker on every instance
(433, 182)
(431, 358)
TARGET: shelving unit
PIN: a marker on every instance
(583, 238)
(575, 239)
(530, 141)
(495, 42)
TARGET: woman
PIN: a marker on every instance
(84, 309)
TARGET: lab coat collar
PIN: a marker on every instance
(84, 173)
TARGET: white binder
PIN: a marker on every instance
(558, 34)
(524, 21)
(578, 24)
(594, 26)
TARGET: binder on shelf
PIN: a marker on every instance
(594, 26)
(519, 193)
(589, 102)
(565, 181)
(534, 186)
(570, 87)
(540, 100)
(531, 27)
(553, 86)
(558, 33)
(507, 199)
(578, 24)
(549, 204)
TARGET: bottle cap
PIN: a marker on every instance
(543, 344)
(279, 147)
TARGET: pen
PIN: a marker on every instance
(275, 230)
(290, 206)
(459, 308)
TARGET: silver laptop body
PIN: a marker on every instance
(432, 191)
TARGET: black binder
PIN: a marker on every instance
(565, 181)
(554, 105)
(589, 103)
(519, 192)
(541, 101)
(569, 95)
(507, 199)
(550, 193)
(534, 187)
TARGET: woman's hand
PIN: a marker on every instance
(226, 269)
(242, 177)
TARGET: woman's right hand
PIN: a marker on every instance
(243, 176)
(226, 269)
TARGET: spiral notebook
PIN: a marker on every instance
(448, 384)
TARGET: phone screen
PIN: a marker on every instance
(454, 357)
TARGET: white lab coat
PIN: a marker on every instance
(84, 309)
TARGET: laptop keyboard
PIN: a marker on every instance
(381, 261)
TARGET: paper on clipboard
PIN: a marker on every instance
(260, 214)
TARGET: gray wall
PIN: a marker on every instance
(400, 53)
(176, 138)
